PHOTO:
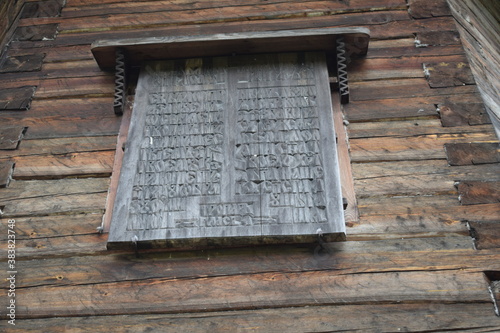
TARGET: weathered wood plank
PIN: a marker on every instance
(469, 153)
(394, 68)
(479, 192)
(26, 189)
(95, 86)
(486, 235)
(47, 8)
(24, 63)
(58, 146)
(428, 8)
(424, 39)
(100, 8)
(443, 253)
(16, 98)
(92, 244)
(266, 11)
(351, 211)
(67, 165)
(405, 185)
(394, 29)
(391, 24)
(367, 171)
(55, 205)
(9, 12)
(413, 183)
(405, 47)
(478, 23)
(43, 127)
(383, 25)
(64, 70)
(68, 53)
(40, 227)
(250, 291)
(66, 107)
(396, 108)
(402, 88)
(10, 137)
(458, 114)
(36, 32)
(6, 170)
(420, 147)
(421, 317)
(417, 215)
(448, 74)
(375, 110)
(412, 127)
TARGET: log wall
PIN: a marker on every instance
(479, 26)
(424, 255)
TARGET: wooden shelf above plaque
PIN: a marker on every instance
(176, 47)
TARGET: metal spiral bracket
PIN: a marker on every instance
(342, 71)
(120, 81)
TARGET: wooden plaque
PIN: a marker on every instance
(228, 151)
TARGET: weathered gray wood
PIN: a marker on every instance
(16, 98)
(173, 47)
(11, 136)
(230, 150)
(458, 114)
(414, 317)
(448, 74)
(469, 153)
(23, 63)
(6, 169)
(36, 32)
(479, 192)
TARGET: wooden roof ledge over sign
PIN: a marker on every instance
(174, 47)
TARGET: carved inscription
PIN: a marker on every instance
(181, 151)
(230, 147)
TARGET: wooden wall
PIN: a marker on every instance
(424, 255)
(9, 11)
(479, 26)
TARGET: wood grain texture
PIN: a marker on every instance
(256, 290)
(472, 153)
(63, 145)
(58, 166)
(9, 11)
(16, 98)
(56, 205)
(6, 169)
(25, 63)
(478, 23)
(36, 33)
(423, 147)
(10, 137)
(412, 317)
(457, 114)
(486, 234)
(425, 39)
(479, 192)
(47, 8)
(428, 8)
(40, 228)
(444, 74)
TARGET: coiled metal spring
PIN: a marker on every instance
(119, 101)
(342, 71)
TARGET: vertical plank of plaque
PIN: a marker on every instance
(351, 213)
(117, 166)
(120, 81)
(342, 70)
